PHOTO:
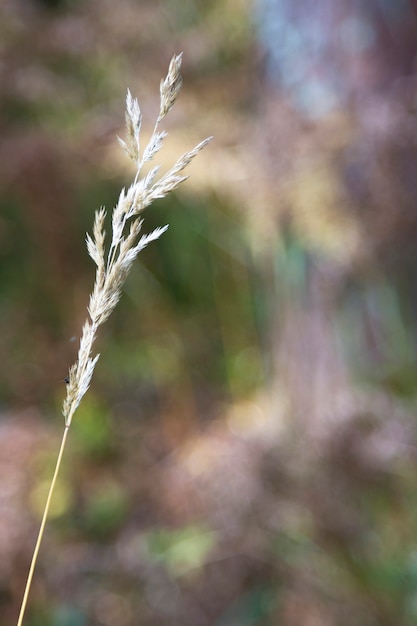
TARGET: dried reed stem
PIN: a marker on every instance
(114, 262)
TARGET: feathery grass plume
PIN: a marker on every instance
(114, 261)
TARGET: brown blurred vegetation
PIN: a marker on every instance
(247, 452)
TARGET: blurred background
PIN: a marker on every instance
(246, 454)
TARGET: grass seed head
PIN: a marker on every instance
(113, 262)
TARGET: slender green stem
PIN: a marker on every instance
(42, 527)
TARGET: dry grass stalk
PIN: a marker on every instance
(113, 263)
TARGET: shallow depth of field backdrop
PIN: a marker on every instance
(247, 453)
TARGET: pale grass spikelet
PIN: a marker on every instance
(154, 146)
(133, 118)
(170, 86)
(171, 179)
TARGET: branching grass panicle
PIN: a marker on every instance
(114, 259)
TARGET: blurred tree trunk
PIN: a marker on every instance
(341, 75)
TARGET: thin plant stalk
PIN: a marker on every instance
(114, 260)
(42, 527)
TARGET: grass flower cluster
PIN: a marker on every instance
(114, 260)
